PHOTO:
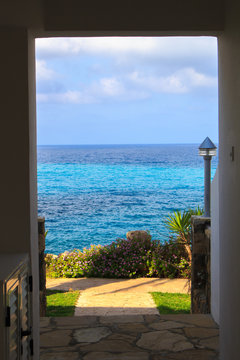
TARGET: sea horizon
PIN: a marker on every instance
(121, 144)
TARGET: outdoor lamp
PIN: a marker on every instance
(207, 149)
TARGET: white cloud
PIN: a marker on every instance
(42, 71)
(72, 97)
(169, 84)
(196, 79)
(181, 81)
(133, 86)
(105, 88)
(58, 47)
(128, 47)
(111, 86)
(137, 68)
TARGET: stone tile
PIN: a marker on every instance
(75, 321)
(68, 348)
(55, 338)
(117, 346)
(45, 330)
(115, 338)
(212, 343)
(60, 356)
(165, 325)
(121, 319)
(117, 311)
(197, 346)
(91, 335)
(182, 345)
(177, 331)
(133, 328)
(152, 318)
(193, 319)
(113, 311)
(188, 355)
(74, 327)
(124, 337)
(44, 322)
(198, 332)
(164, 340)
(138, 355)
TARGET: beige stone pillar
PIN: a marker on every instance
(42, 266)
(201, 265)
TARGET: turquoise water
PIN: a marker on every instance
(95, 194)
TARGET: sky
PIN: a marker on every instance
(123, 90)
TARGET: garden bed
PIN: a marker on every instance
(123, 258)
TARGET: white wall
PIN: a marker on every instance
(215, 266)
(229, 183)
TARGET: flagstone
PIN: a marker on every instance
(211, 343)
(133, 328)
(163, 340)
(128, 332)
(195, 319)
(188, 355)
(124, 337)
(76, 321)
(68, 348)
(46, 330)
(44, 322)
(152, 318)
(138, 355)
(60, 356)
(166, 325)
(130, 338)
(200, 332)
(91, 335)
(56, 338)
(109, 346)
(121, 319)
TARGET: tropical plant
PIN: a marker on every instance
(197, 211)
(179, 223)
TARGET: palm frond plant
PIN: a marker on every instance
(179, 224)
(198, 211)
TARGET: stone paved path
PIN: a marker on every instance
(107, 297)
(136, 337)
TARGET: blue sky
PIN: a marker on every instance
(126, 90)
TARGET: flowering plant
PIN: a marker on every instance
(123, 258)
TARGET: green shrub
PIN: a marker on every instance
(122, 259)
(169, 260)
(125, 258)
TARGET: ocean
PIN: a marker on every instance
(93, 194)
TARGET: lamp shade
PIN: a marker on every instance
(207, 148)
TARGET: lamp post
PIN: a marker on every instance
(207, 149)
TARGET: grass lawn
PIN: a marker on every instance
(172, 303)
(61, 303)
